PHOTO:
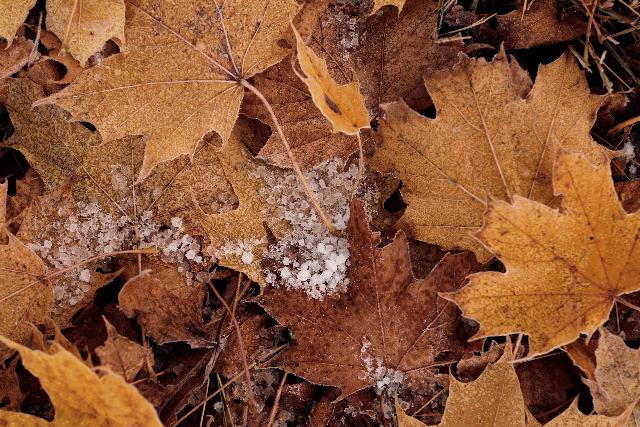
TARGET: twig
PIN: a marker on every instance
(276, 403)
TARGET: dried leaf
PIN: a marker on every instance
(14, 58)
(193, 65)
(123, 356)
(12, 15)
(583, 356)
(616, 385)
(386, 330)
(79, 396)
(168, 309)
(572, 417)
(377, 4)
(10, 395)
(484, 141)
(342, 105)
(85, 25)
(405, 420)
(564, 269)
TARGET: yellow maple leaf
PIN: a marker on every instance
(494, 134)
(182, 73)
(85, 25)
(12, 15)
(342, 105)
(80, 397)
(564, 268)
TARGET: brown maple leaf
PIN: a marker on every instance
(494, 135)
(388, 327)
(123, 356)
(182, 73)
(14, 12)
(564, 268)
(84, 26)
(79, 395)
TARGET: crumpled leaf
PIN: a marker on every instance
(123, 356)
(166, 307)
(12, 15)
(79, 395)
(85, 25)
(342, 105)
(564, 268)
(616, 383)
(309, 134)
(572, 417)
(541, 24)
(386, 324)
(178, 79)
(13, 58)
(493, 135)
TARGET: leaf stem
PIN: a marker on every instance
(296, 168)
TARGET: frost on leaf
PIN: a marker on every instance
(564, 268)
(386, 331)
(179, 77)
(12, 15)
(78, 394)
(494, 135)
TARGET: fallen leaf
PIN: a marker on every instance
(469, 369)
(484, 142)
(123, 356)
(10, 395)
(615, 386)
(79, 396)
(564, 268)
(85, 25)
(543, 23)
(14, 58)
(582, 355)
(377, 4)
(168, 309)
(342, 105)
(405, 420)
(572, 417)
(629, 193)
(190, 56)
(12, 15)
(309, 134)
(387, 329)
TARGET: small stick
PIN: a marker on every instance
(276, 403)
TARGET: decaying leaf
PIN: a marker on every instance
(309, 134)
(564, 268)
(12, 59)
(168, 309)
(85, 25)
(123, 356)
(342, 105)
(493, 135)
(616, 383)
(572, 417)
(386, 330)
(12, 15)
(79, 395)
(179, 78)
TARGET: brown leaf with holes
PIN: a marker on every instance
(168, 309)
(123, 356)
(387, 326)
(564, 268)
(483, 142)
(194, 65)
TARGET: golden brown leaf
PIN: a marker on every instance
(616, 383)
(12, 59)
(180, 76)
(123, 356)
(564, 268)
(85, 25)
(493, 135)
(377, 4)
(572, 417)
(387, 325)
(342, 105)
(583, 356)
(79, 396)
(405, 420)
(12, 15)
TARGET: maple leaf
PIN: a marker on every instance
(182, 73)
(615, 384)
(572, 417)
(564, 269)
(486, 139)
(12, 15)
(85, 25)
(342, 105)
(309, 134)
(78, 395)
(387, 325)
(123, 356)
(13, 58)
